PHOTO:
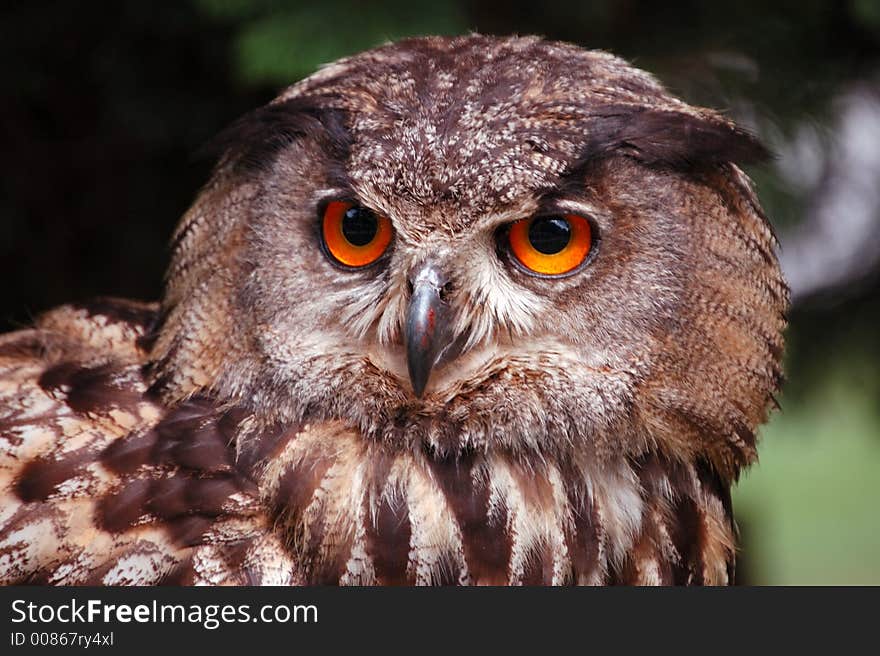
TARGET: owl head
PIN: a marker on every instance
(481, 243)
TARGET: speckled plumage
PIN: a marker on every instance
(259, 426)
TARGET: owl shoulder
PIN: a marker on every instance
(77, 361)
(100, 482)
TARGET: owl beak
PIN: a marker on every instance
(427, 326)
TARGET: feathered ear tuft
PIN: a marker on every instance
(671, 137)
(251, 143)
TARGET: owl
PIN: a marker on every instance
(470, 310)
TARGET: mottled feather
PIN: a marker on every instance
(258, 426)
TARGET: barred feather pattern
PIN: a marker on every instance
(103, 484)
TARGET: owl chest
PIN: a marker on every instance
(351, 515)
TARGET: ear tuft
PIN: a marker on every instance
(672, 137)
(251, 143)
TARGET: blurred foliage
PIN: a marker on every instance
(106, 101)
(808, 511)
(277, 42)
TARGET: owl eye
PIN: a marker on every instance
(551, 245)
(354, 236)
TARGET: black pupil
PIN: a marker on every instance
(549, 235)
(359, 226)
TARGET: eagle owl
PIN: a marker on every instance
(464, 310)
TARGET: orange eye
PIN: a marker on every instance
(551, 245)
(354, 235)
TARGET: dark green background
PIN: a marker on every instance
(104, 104)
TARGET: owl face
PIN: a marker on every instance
(447, 317)
(477, 243)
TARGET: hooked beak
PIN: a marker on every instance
(427, 326)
